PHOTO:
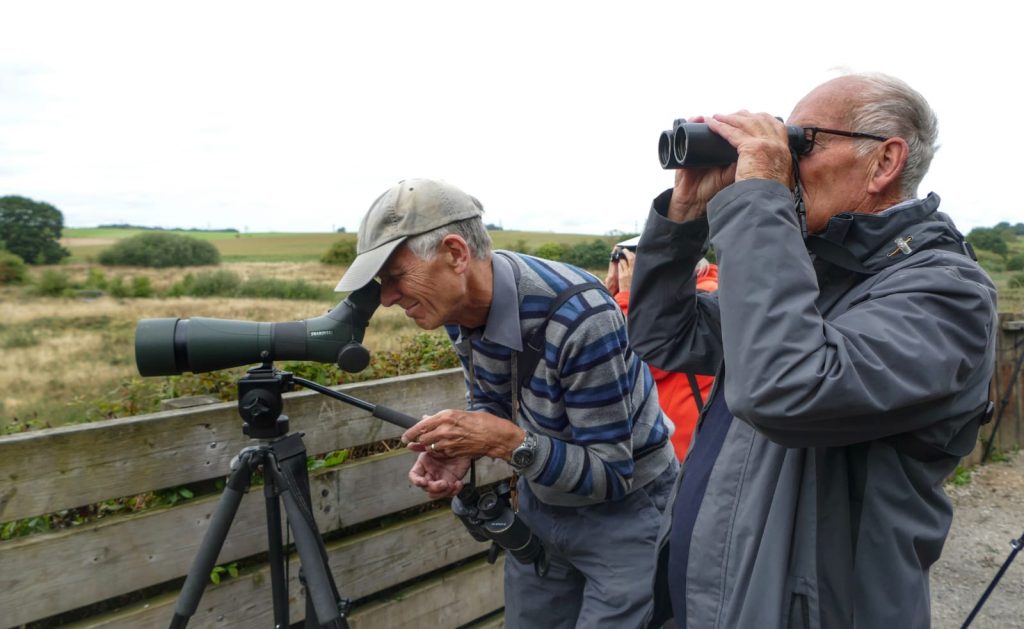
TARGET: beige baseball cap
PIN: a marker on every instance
(410, 208)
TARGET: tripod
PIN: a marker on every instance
(282, 458)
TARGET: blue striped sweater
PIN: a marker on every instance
(591, 402)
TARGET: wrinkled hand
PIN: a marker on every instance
(455, 433)
(625, 270)
(611, 281)
(762, 144)
(695, 187)
(620, 273)
(438, 475)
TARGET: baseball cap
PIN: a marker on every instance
(410, 208)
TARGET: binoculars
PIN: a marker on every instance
(695, 145)
(489, 516)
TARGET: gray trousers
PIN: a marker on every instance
(602, 561)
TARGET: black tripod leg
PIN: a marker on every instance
(213, 541)
(275, 552)
(319, 585)
(292, 481)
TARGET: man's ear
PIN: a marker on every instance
(891, 159)
(455, 251)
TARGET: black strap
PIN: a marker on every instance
(697, 399)
(533, 347)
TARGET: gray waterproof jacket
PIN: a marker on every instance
(857, 373)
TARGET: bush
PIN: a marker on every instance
(556, 251)
(1016, 263)
(1017, 281)
(221, 283)
(141, 287)
(341, 253)
(52, 283)
(989, 239)
(160, 250)
(273, 288)
(12, 268)
(589, 255)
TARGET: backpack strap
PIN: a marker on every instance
(533, 347)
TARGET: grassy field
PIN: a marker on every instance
(86, 243)
(65, 356)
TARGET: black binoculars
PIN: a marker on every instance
(488, 516)
(695, 145)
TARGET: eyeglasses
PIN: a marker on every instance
(811, 136)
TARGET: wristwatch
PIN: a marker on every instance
(524, 453)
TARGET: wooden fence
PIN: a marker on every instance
(415, 570)
(49, 470)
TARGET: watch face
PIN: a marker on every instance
(522, 457)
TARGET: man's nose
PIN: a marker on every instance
(389, 295)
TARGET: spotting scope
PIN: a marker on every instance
(165, 347)
(695, 145)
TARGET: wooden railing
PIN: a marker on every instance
(115, 558)
(419, 570)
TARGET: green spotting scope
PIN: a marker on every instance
(170, 346)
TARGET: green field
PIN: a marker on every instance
(85, 243)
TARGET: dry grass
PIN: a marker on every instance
(61, 354)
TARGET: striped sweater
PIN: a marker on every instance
(591, 402)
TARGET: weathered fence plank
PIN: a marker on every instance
(362, 565)
(141, 550)
(47, 470)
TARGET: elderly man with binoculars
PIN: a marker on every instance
(853, 340)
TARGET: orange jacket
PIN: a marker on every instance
(674, 391)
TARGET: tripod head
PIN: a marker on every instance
(260, 403)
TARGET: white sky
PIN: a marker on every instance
(295, 116)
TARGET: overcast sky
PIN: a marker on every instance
(295, 116)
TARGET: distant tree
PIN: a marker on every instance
(160, 250)
(990, 239)
(32, 230)
(494, 228)
(341, 230)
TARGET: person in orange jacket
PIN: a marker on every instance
(681, 395)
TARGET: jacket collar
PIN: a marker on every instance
(868, 243)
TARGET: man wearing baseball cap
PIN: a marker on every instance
(582, 428)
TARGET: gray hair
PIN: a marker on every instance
(472, 230)
(887, 106)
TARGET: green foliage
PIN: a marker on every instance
(19, 337)
(160, 250)
(142, 287)
(32, 230)
(52, 283)
(224, 283)
(556, 251)
(1016, 263)
(990, 239)
(1017, 280)
(274, 288)
(220, 283)
(12, 268)
(337, 457)
(218, 571)
(96, 279)
(341, 253)
(961, 476)
(589, 255)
